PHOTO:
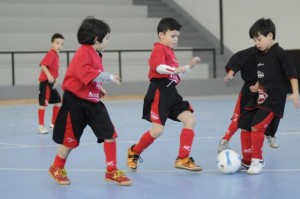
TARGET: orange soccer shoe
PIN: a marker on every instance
(188, 164)
(133, 158)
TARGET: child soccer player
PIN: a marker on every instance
(244, 61)
(162, 100)
(81, 105)
(47, 89)
(274, 71)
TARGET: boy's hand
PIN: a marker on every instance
(229, 76)
(116, 79)
(295, 98)
(102, 92)
(194, 61)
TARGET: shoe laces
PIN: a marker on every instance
(136, 157)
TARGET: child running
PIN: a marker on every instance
(244, 61)
(162, 100)
(48, 82)
(81, 105)
(275, 71)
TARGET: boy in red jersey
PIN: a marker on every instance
(244, 61)
(81, 105)
(47, 89)
(275, 71)
(162, 100)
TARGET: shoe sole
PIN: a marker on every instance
(61, 183)
(189, 169)
(128, 183)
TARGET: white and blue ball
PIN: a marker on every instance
(228, 161)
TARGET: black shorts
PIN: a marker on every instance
(75, 114)
(162, 101)
(47, 95)
(253, 117)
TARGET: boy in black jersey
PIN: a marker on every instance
(244, 61)
(274, 72)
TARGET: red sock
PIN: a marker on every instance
(144, 142)
(59, 162)
(186, 141)
(41, 115)
(257, 138)
(231, 129)
(110, 150)
(54, 113)
(246, 146)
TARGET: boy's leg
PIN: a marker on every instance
(57, 169)
(260, 122)
(183, 160)
(232, 128)
(246, 145)
(146, 140)
(41, 117)
(113, 174)
(55, 111)
(271, 131)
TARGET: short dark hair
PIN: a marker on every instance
(90, 29)
(166, 24)
(56, 36)
(262, 26)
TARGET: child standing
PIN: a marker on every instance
(48, 76)
(81, 106)
(244, 61)
(274, 71)
(162, 100)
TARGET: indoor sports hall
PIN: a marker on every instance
(212, 30)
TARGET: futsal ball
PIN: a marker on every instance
(228, 161)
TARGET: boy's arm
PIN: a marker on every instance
(165, 69)
(229, 75)
(106, 77)
(295, 92)
(48, 74)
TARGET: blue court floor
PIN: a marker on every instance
(25, 157)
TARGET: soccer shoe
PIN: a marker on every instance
(117, 176)
(188, 164)
(223, 145)
(256, 166)
(42, 129)
(245, 164)
(133, 158)
(272, 141)
(51, 126)
(59, 175)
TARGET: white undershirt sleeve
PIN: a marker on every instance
(165, 69)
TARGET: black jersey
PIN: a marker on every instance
(245, 62)
(274, 69)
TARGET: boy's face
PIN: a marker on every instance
(100, 46)
(58, 44)
(170, 38)
(263, 43)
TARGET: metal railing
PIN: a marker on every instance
(119, 52)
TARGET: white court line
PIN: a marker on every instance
(146, 171)
(14, 146)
